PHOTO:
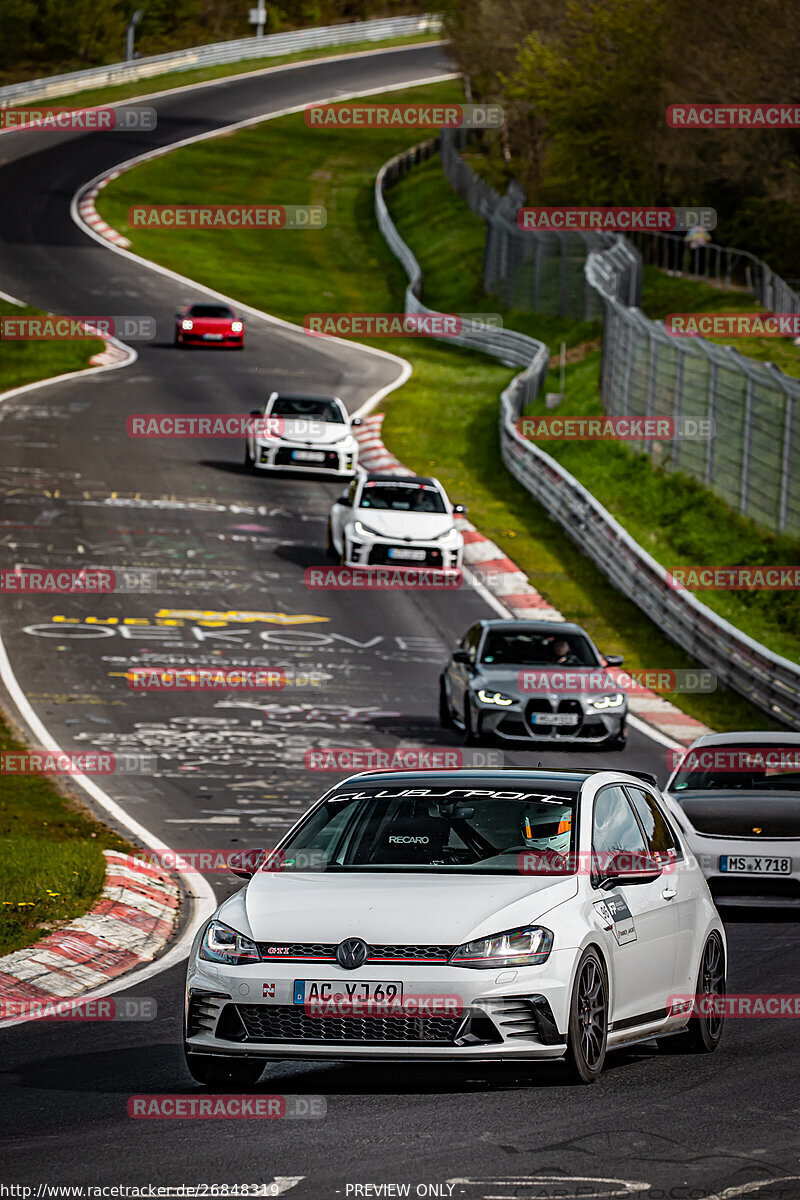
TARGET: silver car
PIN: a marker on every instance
(532, 681)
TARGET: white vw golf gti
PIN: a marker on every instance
(395, 520)
(460, 916)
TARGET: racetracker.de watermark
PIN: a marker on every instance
(51, 328)
(383, 579)
(59, 118)
(399, 758)
(594, 862)
(25, 580)
(615, 429)
(203, 425)
(625, 219)
(404, 116)
(435, 325)
(732, 579)
(739, 324)
(48, 762)
(341, 1005)
(205, 679)
(746, 1004)
(225, 860)
(227, 216)
(232, 1108)
(737, 759)
(733, 116)
(126, 1008)
(635, 683)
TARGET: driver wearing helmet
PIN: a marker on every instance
(547, 827)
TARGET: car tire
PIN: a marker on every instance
(587, 1029)
(445, 715)
(473, 735)
(249, 461)
(330, 549)
(216, 1071)
(176, 341)
(704, 1032)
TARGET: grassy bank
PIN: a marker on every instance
(445, 418)
(52, 867)
(26, 362)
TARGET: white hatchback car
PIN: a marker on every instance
(303, 433)
(460, 916)
(738, 799)
(395, 520)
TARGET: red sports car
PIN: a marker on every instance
(209, 325)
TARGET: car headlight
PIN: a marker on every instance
(237, 326)
(223, 945)
(187, 324)
(449, 535)
(364, 530)
(613, 701)
(515, 948)
(494, 697)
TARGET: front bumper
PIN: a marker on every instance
(275, 455)
(523, 1017)
(375, 552)
(187, 338)
(745, 888)
(513, 723)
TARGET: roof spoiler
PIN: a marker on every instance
(647, 776)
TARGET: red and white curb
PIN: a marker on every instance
(510, 585)
(129, 925)
(92, 217)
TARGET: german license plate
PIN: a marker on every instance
(308, 455)
(213, 337)
(755, 864)
(554, 718)
(308, 991)
(412, 555)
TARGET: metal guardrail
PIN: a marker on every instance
(273, 45)
(767, 679)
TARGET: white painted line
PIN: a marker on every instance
(12, 300)
(655, 735)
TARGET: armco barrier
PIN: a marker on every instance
(274, 45)
(765, 678)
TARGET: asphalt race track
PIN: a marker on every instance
(231, 765)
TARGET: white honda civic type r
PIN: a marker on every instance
(461, 916)
(303, 433)
(395, 520)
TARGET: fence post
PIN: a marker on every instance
(712, 416)
(678, 409)
(786, 463)
(747, 445)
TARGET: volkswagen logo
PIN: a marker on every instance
(351, 953)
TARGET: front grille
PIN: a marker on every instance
(283, 458)
(289, 1023)
(754, 885)
(326, 952)
(529, 1017)
(379, 557)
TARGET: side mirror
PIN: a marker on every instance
(256, 412)
(245, 863)
(356, 421)
(624, 866)
(460, 510)
(614, 660)
(344, 500)
(462, 656)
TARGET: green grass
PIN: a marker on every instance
(663, 294)
(27, 362)
(445, 419)
(52, 867)
(173, 79)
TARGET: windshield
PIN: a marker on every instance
(211, 310)
(461, 830)
(308, 406)
(403, 497)
(750, 768)
(538, 650)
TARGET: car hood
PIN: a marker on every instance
(212, 324)
(319, 433)
(505, 678)
(390, 908)
(404, 526)
(738, 814)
